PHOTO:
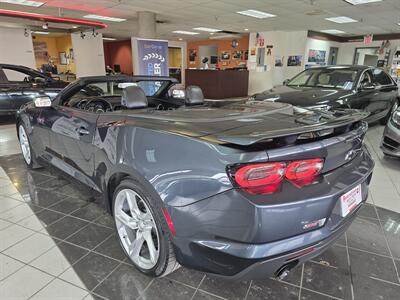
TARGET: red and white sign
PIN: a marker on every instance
(350, 200)
(368, 39)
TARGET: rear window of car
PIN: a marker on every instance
(380, 77)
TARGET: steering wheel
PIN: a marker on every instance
(98, 105)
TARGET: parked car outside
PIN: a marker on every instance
(357, 87)
(240, 191)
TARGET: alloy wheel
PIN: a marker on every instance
(24, 143)
(136, 229)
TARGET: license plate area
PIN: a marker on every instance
(350, 200)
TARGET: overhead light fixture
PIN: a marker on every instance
(255, 14)
(207, 29)
(104, 18)
(341, 20)
(74, 27)
(40, 32)
(185, 32)
(246, 29)
(109, 39)
(24, 2)
(332, 31)
(181, 39)
(357, 2)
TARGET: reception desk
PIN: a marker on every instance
(219, 84)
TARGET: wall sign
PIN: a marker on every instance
(152, 57)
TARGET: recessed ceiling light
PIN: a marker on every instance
(40, 32)
(207, 29)
(24, 2)
(109, 39)
(356, 2)
(181, 39)
(255, 14)
(341, 20)
(185, 32)
(74, 27)
(333, 31)
(104, 18)
(246, 29)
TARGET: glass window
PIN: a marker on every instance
(337, 78)
(380, 77)
(15, 76)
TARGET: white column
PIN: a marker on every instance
(146, 24)
(16, 47)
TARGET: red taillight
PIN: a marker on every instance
(260, 178)
(302, 169)
(266, 178)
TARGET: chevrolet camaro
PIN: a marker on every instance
(243, 190)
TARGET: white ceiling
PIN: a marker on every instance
(378, 17)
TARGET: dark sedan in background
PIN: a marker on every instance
(357, 87)
(242, 190)
(391, 135)
(20, 85)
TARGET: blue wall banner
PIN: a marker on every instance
(152, 57)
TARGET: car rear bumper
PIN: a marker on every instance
(391, 140)
(224, 234)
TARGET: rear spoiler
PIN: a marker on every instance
(303, 133)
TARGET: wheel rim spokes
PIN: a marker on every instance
(137, 229)
(24, 143)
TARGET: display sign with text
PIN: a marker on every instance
(152, 57)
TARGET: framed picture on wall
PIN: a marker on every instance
(237, 55)
(225, 55)
(192, 55)
(294, 60)
(317, 56)
(63, 58)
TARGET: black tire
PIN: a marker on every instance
(384, 120)
(33, 164)
(166, 262)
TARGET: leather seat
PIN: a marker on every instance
(134, 97)
(194, 95)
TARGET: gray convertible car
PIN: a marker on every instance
(239, 191)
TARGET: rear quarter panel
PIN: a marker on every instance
(180, 169)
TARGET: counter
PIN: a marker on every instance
(219, 84)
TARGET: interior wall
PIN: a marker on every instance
(16, 48)
(55, 45)
(89, 55)
(284, 44)
(222, 45)
(183, 47)
(119, 53)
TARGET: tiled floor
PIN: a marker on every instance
(57, 243)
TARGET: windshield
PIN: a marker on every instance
(325, 78)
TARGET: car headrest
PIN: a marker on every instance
(134, 97)
(194, 95)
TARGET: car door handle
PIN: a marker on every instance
(83, 131)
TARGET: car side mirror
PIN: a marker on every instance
(42, 101)
(286, 82)
(178, 93)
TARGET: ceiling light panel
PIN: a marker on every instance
(185, 32)
(357, 2)
(207, 29)
(23, 2)
(341, 20)
(104, 18)
(40, 32)
(333, 31)
(109, 39)
(255, 14)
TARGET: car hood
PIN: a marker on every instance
(303, 97)
(240, 124)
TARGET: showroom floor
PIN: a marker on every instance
(55, 243)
